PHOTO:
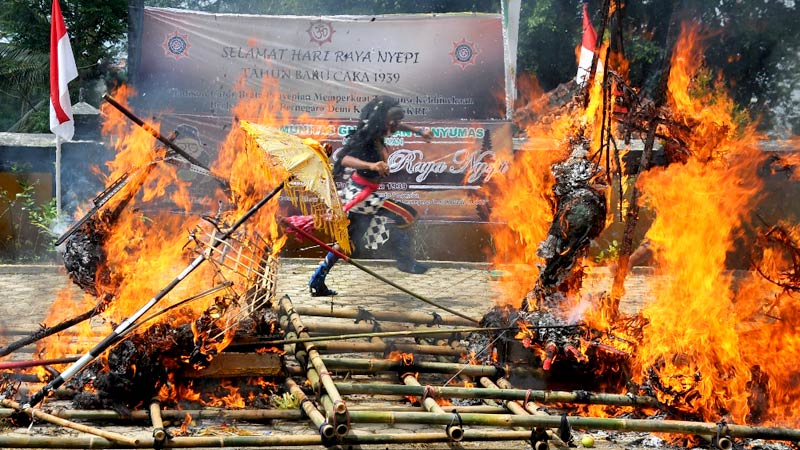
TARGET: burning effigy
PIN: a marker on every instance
(676, 348)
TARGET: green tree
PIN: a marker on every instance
(96, 31)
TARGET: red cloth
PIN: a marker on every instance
(62, 71)
(306, 223)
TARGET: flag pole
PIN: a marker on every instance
(58, 177)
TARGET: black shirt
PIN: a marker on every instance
(371, 152)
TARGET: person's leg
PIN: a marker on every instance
(316, 285)
(403, 216)
(403, 247)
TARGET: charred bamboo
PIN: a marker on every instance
(588, 398)
(325, 429)
(453, 431)
(47, 331)
(116, 437)
(119, 332)
(159, 434)
(378, 347)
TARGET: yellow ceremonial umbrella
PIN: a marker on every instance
(308, 163)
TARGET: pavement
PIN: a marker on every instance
(470, 288)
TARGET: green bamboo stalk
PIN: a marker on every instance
(325, 429)
(405, 333)
(355, 438)
(391, 316)
(454, 432)
(314, 356)
(485, 409)
(385, 365)
(378, 347)
(324, 327)
(341, 421)
(586, 423)
(516, 408)
(105, 415)
(501, 394)
(313, 379)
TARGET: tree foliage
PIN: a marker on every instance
(96, 31)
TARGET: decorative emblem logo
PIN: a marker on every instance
(176, 45)
(320, 32)
(464, 53)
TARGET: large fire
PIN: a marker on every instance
(157, 224)
(709, 344)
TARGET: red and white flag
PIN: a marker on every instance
(587, 49)
(62, 71)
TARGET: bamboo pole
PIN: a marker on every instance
(589, 398)
(116, 437)
(253, 415)
(47, 331)
(5, 365)
(336, 331)
(378, 347)
(341, 422)
(587, 423)
(159, 434)
(355, 438)
(518, 409)
(453, 431)
(313, 379)
(390, 316)
(384, 365)
(248, 415)
(325, 429)
(322, 327)
(314, 356)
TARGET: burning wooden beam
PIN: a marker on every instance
(237, 365)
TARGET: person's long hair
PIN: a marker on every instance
(372, 124)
